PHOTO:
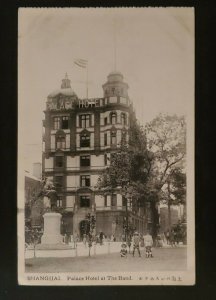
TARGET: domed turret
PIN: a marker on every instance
(65, 89)
(115, 76)
(115, 86)
(63, 98)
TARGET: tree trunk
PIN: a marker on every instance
(169, 208)
(155, 220)
(126, 229)
(169, 216)
(34, 250)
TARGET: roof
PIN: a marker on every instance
(64, 92)
(28, 175)
(115, 73)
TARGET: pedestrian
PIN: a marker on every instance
(172, 239)
(101, 235)
(136, 243)
(123, 251)
(129, 243)
(142, 241)
(73, 243)
(148, 242)
(84, 239)
(168, 237)
(77, 238)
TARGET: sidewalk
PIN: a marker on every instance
(165, 259)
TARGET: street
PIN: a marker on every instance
(165, 259)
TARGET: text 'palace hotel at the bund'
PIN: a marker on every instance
(79, 137)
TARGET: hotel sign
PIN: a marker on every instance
(63, 103)
(88, 103)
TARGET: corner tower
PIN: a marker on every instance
(115, 86)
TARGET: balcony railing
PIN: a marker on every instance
(98, 208)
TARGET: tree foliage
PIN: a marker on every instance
(153, 158)
(166, 141)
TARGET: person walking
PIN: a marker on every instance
(101, 236)
(123, 251)
(168, 237)
(148, 242)
(84, 239)
(136, 243)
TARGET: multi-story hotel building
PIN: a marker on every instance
(79, 137)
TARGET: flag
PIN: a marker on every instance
(81, 62)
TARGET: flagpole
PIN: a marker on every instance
(87, 81)
(114, 45)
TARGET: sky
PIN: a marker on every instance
(154, 52)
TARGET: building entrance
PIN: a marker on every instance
(84, 228)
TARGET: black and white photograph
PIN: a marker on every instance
(106, 146)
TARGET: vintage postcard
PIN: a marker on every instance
(106, 146)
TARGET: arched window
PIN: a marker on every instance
(84, 140)
(123, 119)
(113, 118)
(60, 142)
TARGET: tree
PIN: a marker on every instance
(127, 172)
(166, 143)
(33, 237)
(90, 229)
(174, 191)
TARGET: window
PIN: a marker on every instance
(113, 91)
(113, 118)
(105, 121)
(114, 200)
(105, 200)
(105, 159)
(65, 122)
(58, 183)
(85, 140)
(85, 161)
(59, 161)
(85, 180)
(105, 139)
(57, 123)
(123, 119)
(60, 142)
(124, 135)
(61, 123)
(84, 201)
(113, 138)
(84, 121)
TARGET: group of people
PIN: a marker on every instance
(171, 238)
(136, 240)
